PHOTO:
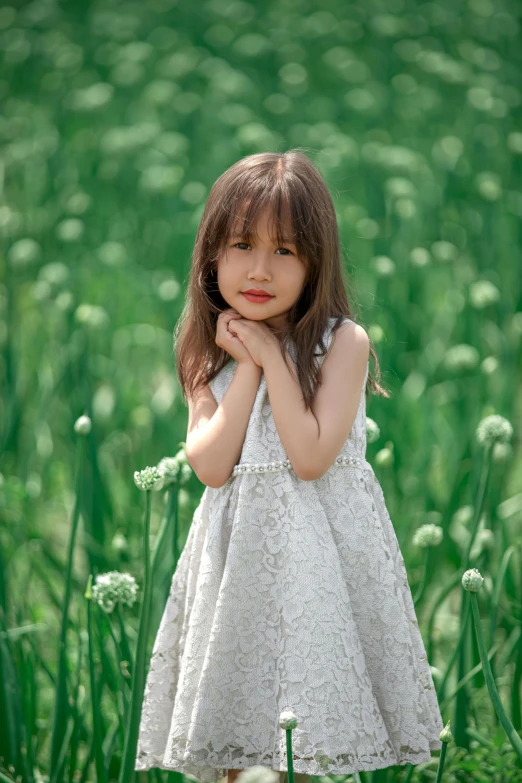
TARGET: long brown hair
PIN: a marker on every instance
(291, 186)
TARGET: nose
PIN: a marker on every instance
(260, 265)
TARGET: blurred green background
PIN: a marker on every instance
(115, 120)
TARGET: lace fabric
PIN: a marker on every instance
(289, 594)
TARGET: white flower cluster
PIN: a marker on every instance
(169, 470)
(148, 478)
(372, 430)
(112, 587)
(472, 580)
(493, 429)
(428, 535)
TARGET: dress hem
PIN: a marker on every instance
(419, 758)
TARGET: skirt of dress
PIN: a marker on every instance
(289, 595)
(283, 778)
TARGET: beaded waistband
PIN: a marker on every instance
(284, 464)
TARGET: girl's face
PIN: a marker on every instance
(264, 266)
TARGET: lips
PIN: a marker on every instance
(256, 298)
(257, 292)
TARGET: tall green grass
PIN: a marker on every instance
(115, 119)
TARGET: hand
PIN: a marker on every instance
(256, 336)
(228, 341)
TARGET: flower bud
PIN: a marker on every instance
(83, 425)
(287, 719)
(446, 735)
(472, 580)
(384, 457)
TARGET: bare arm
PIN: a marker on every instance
(312, 439)
(217, 433)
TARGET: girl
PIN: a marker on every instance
(291, 591)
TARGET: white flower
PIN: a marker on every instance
(444, 251)
(461, 357)
(493, 429)
(83, 425)
(112, 587)
(23, 252)
(287, 719)
(175, 469)
(376, 333)
(383, 266)
(483, 293)
(420, 256)
(186, 473)
(112, 254)
(400, 187)
(120, 544)
(384, 457)
(472, 580)
(54, 273)
(258, 774)
(149, 478)
(169, 468)
(372, 430)
(489, 185)
(70, 229)
(428, 535)
(92, 316)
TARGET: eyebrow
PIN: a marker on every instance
(284, 239)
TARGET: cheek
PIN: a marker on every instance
(294, 277)
(230, 269)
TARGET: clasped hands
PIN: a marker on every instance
(256, 336)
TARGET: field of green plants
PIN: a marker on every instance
(115, 120)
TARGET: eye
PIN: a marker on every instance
(247, 245)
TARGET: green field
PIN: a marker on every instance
(115, 120)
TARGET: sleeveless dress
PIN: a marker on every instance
(289, 594)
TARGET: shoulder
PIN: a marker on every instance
(352, 337)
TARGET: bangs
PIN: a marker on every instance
(242, 222)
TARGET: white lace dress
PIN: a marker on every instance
(289, 593)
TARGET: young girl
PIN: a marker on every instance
(291, 591)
